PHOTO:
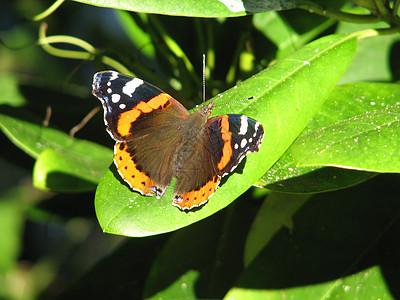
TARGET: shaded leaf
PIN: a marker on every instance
(275, 212)
(195, 264)
(329, 248)
(372, 61)
(14, 199)
(277, 29)
(366, 284)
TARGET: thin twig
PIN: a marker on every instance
(86, 119)
(46, 120)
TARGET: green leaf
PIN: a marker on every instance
(374, 56)
(13, 200)
(365, 142)
(64, 171)
(312, 179)
(366, 284)
(11, 224)
(138, 36)
(286, 96)
(195, 8)
(277, 29)
(68, 158)
(10, 94)
(369, 283)
(343, 103)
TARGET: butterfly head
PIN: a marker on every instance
(206, 109)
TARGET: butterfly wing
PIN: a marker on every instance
(232, 138)
(228, 139)
(142, 119)
(198, 180)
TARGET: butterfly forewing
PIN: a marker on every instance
(145, 119)
(232, 137)
(126, 98)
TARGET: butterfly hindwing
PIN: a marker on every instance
(228, 139)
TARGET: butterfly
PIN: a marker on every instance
(157, 139)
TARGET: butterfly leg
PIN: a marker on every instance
(158, 191)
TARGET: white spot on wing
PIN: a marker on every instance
(115, 98)
(256, 128)
(114, 75)
(243, 143)
(244, 123)
(122, 106)
(130, 87)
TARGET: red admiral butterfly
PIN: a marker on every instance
(158, 139)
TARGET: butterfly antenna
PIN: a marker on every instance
(204, 78)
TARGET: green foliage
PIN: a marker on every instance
(276, 102)
(324, 222)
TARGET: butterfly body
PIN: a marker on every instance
(157, 139)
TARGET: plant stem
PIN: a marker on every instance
(90, 53)
(45, 42)
(380, 5)
(337, 14)
(48, 11)
(396, 6)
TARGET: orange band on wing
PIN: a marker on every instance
(128, 170)
(227, 138)
(197, 197)
(126, 118)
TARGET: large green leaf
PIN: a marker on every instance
(343, 103)
(286, 96)
(365, 142)
(195, 8)
(64, 163)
